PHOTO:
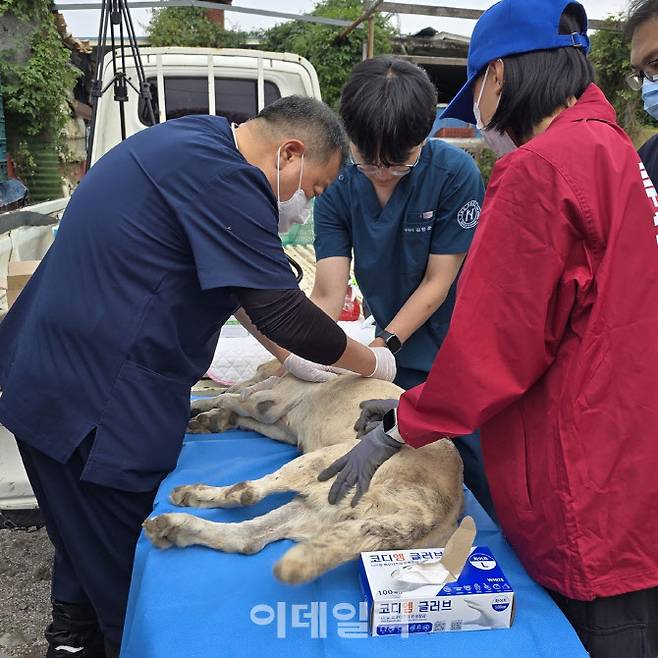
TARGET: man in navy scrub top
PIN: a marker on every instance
(166, 236)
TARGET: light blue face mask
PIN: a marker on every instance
(650, 96)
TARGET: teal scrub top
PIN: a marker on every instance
(433, 210)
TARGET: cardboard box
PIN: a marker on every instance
(18, 274)
(403, 598)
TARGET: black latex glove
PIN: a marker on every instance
(372, 413)
(359, 465)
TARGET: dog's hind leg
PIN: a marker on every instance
(247, 537)
(299, 475)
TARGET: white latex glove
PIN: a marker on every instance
(307, 370)
(421, 574)
(386, 367)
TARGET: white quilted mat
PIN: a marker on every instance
(238, 353)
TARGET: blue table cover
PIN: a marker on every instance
(200, 603)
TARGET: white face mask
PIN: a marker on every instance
(297, 209)
(500, 143)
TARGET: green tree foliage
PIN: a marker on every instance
(610, 55)
(25, 9)
(485, 159)
(189, 26)
(35, 91)
(333, 63)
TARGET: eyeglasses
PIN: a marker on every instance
(394, 170)
(636, 80)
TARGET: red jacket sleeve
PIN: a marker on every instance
(507, 323)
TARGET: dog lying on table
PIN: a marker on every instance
(414, 499)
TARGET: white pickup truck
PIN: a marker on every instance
(228, 82)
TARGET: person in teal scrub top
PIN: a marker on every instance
(406, 209)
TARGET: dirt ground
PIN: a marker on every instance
(25, 570)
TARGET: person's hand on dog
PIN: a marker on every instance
(372, 413)
(357, 467)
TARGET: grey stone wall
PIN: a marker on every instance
(15, 38)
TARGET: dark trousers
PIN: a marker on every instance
(624, 626)
(94, 530)
(469, 448)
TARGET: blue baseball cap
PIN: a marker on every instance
(512, 27)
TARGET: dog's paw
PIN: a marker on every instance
(294, 568)
(211, 422)
(164, 530)
(196, 495)
(183, 496)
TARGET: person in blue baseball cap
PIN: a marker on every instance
(552, 348)
(538, 47)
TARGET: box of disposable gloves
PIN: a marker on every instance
(456, 588)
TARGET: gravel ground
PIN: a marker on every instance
(25, 570)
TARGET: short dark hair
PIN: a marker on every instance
(538, 83)
(639, 12)
(316, 124)
(388, 106)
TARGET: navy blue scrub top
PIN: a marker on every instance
(433, 210)
(123, 315)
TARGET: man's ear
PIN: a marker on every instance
(291, 149)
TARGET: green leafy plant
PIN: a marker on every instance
(333, 62)
(35, 91)
(24, 160)
(485, 159)
(189, 26)
(25, 9)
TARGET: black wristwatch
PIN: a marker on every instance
(393, 343)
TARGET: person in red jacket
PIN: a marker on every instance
(553, 346)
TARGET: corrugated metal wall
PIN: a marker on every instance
(46, 183)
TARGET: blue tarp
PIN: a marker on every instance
(12, 194)
(199, 603)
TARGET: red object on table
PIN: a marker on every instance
(351, 308)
